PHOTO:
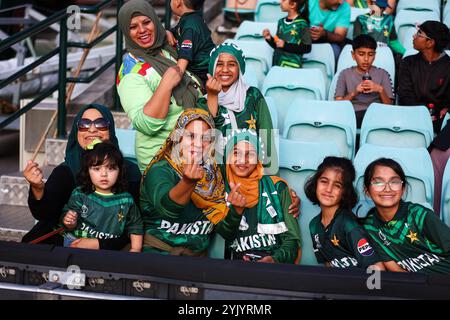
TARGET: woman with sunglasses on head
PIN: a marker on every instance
(408, 237)
(46, 200)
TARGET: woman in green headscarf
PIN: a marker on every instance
(267, 232)
(152, 89)
(46, 200)
(183, 193)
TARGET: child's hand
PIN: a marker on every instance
(360, 87)
(213, 85)
(369, 86)
(135, 250)
(172, 77)
(236, 198)
(266, 34)
(193, 172)
(171, 38)
(280, 43)
(70, 219)
(443, 112)
(294, 208)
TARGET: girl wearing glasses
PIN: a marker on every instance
(407, 236)
(338, 239)
(101, 208)
(47, 199)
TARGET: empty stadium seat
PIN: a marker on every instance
(333, 84)
(444, 122)
(273, 111)
(419, 5)
(251, 76)
(322, 121)
(383, 59)
(284, 85)
(416, 163)
(406, 21)
(445, 198)
(298, 161)
(268, 11)
(250, 30)
(127, 138)
(397, 126)
(321, 57)
(258, 57)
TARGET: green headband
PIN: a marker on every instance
(239, 135)
(229, 48)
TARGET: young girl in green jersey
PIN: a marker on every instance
(293, 38)
(408, 236)
(338, 240)
(100, 208)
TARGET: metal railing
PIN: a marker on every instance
(61, 17)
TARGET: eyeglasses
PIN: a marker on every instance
(394, 185)
(421, 34)
(100, 124)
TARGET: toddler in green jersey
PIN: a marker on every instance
(100, 208)
(338, 239)
(379, 26)
(408, 236)
(293, 38)
(191, 37)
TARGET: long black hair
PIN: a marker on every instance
(302, 8)
(345, 166)
(102, 152)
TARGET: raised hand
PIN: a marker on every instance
(33, 174)
(172, 76)
(70, 219)
(266, 34)
(236, 198)
(171, 38)
(213, 86)
(193, 172)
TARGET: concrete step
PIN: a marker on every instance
(15, 222)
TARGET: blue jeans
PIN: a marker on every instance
(68, 239)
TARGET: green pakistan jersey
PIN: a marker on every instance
(380, 28)
(283, 247)
(256, 115)
(104, 216)
(194, 42)
(415, 238)
(343, 243)
(294, 31)
(175, 224)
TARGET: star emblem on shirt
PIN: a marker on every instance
(412, 236)
(335, 240)
(294, 32)
(251, 122)
(120, 216)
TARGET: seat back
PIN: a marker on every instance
(445, 120)
(445, 198)
(416, 163)
(419, 5)
(397, 126)
(284, 85)
(321, 57)
(322, 121)
(298, 161)
(273, 111)
(216, 249)
(127, 141)
(405, 24)
(251, 30)
(268, 11)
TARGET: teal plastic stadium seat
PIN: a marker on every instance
(397, 126)
(333, 84)
(251, 76)
(273, 111)
(251, 30)
(419, 5)
(216, 248)
(321, 57)
(258, 57)
(284, 85)
(268, 11)
(405, 24)
(416, 162)
(298, 161)
(445, 198)
(127, 138)
(384, 59)
(409, 52)
(445, 120)
(322, 121)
